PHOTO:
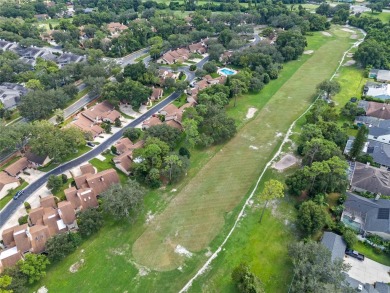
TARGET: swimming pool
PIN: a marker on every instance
(349, 221)
(226, 71)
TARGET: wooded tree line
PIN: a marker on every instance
(373, 52)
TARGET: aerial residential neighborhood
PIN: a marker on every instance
(194, 146)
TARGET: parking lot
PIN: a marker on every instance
(367, 271)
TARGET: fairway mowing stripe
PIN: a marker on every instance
(285, 139)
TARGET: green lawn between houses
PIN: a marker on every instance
(207, 201)
(383, 16)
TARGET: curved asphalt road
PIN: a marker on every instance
(7, 212)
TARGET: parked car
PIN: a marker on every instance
(90, 144)
(354, 254)
(18, 194)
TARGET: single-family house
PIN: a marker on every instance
(67, 214)
(124, 162)
(101, 181)
(30, 53)
(21, 238)
(67, 58)
(38, 236)
(81, 199)
(174, 56)
(7, 183)
(10, 94)
(169, 110)
(374, 109)
(379, 151)
(87, 169)
(335, 244)
(36, 160)
(152, 121)
(9, 257)
(16, 168)
(368, 216)
(156, 94)
(200, 48)
(225, 57)
(116, 28)
(380, 75)
(5, 45)
(48, 202)
(371, 179)
(35, 216)
(86, 125)
(377, 90)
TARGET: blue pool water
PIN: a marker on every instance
(227, 71)
(348, 221)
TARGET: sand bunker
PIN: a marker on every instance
(349, 63)
(75, 267)
(348, 30)
(308, 52)
(251, 113)
(285, 162)
(326, 34)
(182, 251)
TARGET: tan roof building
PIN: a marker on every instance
(7, 183)
(87, 169)
(169, 110)
(48, 202)
(36, 216)
(156, 94)
(101, 181)
(8, 237)
(378, 110)
(124, 161)
(87, 198)
(17, 167)
(66, 212)
(38, 234)
(53, 222)
(174, 124)
(9, 257)
(86, 125)
(116, 27)
(123, 145)
(151, 122)
(22, 240)
(71, 196)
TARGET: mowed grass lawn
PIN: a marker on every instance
(383, 16)
(142, 257)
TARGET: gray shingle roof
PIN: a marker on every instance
(380, 152)
(382, 287)
(374, 213)
(335, 244)
(371, 179)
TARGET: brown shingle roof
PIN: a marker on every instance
(152, 122)
(174, 124)
(10, 257)
(378, 110)
(8, 237)
(17, 167)
(35, 216)
(170, 109)
(39, 235)
(87, 198)
(22, 241)
(123, 145)
(87, 169)
(48, 202)
(81, 181)
(6, 179)
(50, 220)
(66, 212)
(101, 181)
(71, 196)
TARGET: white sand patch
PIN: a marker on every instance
(285, 162)
(75, 267)
(349, 63)
(182, 251)
(348, 30)
(308, 52)
(174, 190)
(43, 289)
(350, 55)
(326, 34)
(142, 270)
(251, 112)
(253, 147)
(149, 217)
(278, 134)
(101, 158)
(208, 253)
(180, 269)
(250, 203)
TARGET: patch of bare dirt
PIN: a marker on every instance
(76, 266)
(285, 162)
